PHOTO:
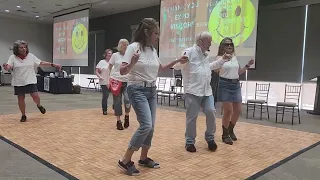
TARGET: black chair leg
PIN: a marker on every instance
(261, 112)
(283, 108)
(292, 115)
(268, 111)
(254, 109)
(299, 115)
(247, 110)
(276, 114)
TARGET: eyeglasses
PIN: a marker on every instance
(228, 44)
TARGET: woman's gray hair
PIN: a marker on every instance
(16, 44)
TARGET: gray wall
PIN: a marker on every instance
(280, 45)
(312, 58)
(39, 37)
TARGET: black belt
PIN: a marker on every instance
(230, 80)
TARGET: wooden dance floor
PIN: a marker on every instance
(86, 145)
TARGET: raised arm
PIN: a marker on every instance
(9, 65)
(179, 65)
(182, 60)
(246, 67)
(220, 61)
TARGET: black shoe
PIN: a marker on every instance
(42, 109)
(149, 163)
(212, 145)
(231, 132)
(226, 137)
(129, 168)
(191, 148)
(105, 112)
(23, 118)
(119, 125)
(126, 121)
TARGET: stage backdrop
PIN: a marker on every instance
(70, 39)
(181, 20)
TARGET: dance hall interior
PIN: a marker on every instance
(159, 89)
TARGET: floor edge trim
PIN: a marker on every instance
(281, 162)
(40, 160)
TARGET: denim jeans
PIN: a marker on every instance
(144, 103)
(105, 95)
(193, 105)
(117, 101)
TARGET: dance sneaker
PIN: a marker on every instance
(129, 168)
(149, 163)
(212, 146)
(23, 118)
(41, 109)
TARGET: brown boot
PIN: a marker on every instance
(231, 133)
(226, 137)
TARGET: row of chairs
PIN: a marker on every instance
(173, 93)
(259, 102)
(290, 104)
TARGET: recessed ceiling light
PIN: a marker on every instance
(37, 16)
(18, 6)
(7, 10)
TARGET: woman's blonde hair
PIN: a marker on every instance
(121, 42)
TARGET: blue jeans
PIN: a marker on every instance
(229, 91)
(105, 95)
(193, 105)
(144, 103)
(117, 101)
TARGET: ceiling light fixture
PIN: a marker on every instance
(7, 10)
(18, 6)
(37, 16)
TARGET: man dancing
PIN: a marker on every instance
(198, 92)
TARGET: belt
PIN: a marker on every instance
(144, 84)
(230, 80)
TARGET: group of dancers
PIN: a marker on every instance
(131, 74)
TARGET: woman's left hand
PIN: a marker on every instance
(251, 62)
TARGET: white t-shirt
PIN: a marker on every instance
(103, 65)
(116, 61)
(147, 67)
(230, 69)
(24, 70)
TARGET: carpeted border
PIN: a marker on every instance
(37, 158)
(270, 168)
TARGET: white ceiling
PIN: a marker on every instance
(46, 9)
